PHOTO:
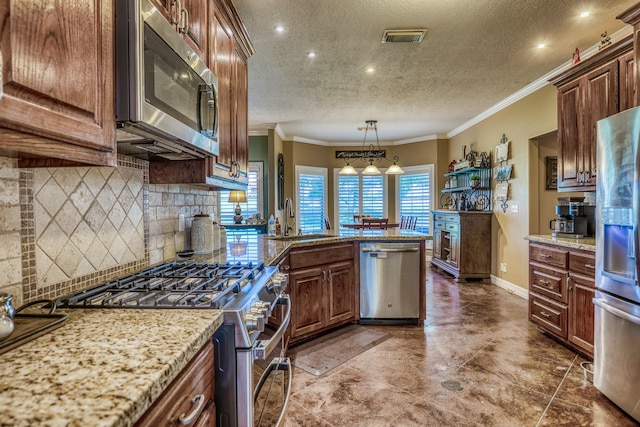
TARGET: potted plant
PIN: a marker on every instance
(474, 180)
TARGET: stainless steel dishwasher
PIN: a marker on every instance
(390, 282)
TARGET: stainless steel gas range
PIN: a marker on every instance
(246, 293)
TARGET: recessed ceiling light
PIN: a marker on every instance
(311, 54)
(280, 28)
(542, 46)
(370, 70)
(584, 14)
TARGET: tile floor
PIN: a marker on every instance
(478, 335)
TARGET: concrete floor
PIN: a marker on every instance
(498, 369)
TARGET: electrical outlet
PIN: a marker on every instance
(503, 267)
(515, 209)
(181, 222)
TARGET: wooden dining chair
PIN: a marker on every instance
(408, 222)
(377, 223)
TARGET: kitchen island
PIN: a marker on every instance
(106, 367)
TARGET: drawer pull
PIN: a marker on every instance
(545, 314)
(589, 266)
(198, 400)
(545, 256)
(544, 282)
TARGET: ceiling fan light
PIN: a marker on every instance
(394, 170)
(371, 170)
(348, 170)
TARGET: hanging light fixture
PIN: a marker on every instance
(370, 154)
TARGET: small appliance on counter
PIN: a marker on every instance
(574, 218)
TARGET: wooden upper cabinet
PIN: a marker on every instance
(230, 50)
(189, 18)
(593, 89)
(58, 81)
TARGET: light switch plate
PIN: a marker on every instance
(515, 209)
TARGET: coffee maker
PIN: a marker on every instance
(574, 218)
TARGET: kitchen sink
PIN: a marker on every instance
(301, 237)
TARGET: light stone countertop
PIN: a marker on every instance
(101, 367)
(585, 244)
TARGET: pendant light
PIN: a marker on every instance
(372, 154)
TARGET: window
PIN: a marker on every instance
(311, 198)
(413, 190)
(360, 195)
(254, 197)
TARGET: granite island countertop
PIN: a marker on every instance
(101, 367)
(585, 244)
(271, 250)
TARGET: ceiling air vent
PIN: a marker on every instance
(398, 36)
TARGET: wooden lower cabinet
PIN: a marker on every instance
(189, 395)
(561, 291)
(323, 285)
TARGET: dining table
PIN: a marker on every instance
(361, 225)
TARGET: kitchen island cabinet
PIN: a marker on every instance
(561, 290)
(322, 284)
(62, 113)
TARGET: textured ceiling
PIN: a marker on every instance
(476, 54)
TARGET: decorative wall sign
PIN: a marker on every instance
(551, 164)
(357, 154)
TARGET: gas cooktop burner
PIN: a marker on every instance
(170, 285)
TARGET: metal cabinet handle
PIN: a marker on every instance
(544, 282)
(285, 267)
(569, 283)
(545, 314)
(545, 256)
(328, 276)
(199, 401)
(185, 22)
(591, 266)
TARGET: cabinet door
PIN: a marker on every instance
(223, 67)
(627, 82)
(568, 134)
(454, 246)
(581, 313)
(600, 101)
(58, 79)
(341, 292)
(194, 22)
(437, 243)
(307, 300)
(240, 89)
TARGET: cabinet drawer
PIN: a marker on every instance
(302, 258)
(548, 255)
(548, 282)
(452, 226)
(442, 217)
(439, 225)
(582, 263)
(196, 379)
(549, 315)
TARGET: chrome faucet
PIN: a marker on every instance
(288, 213)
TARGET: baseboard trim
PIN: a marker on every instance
(510, 287)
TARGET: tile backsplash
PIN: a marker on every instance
(65, 229)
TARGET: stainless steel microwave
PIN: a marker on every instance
(166, 97)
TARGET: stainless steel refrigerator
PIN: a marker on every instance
(617, 298)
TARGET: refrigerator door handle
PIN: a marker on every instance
(616, 311)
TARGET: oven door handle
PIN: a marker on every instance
(277, 364)
(263, 348)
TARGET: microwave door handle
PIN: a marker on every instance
(202, 89)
